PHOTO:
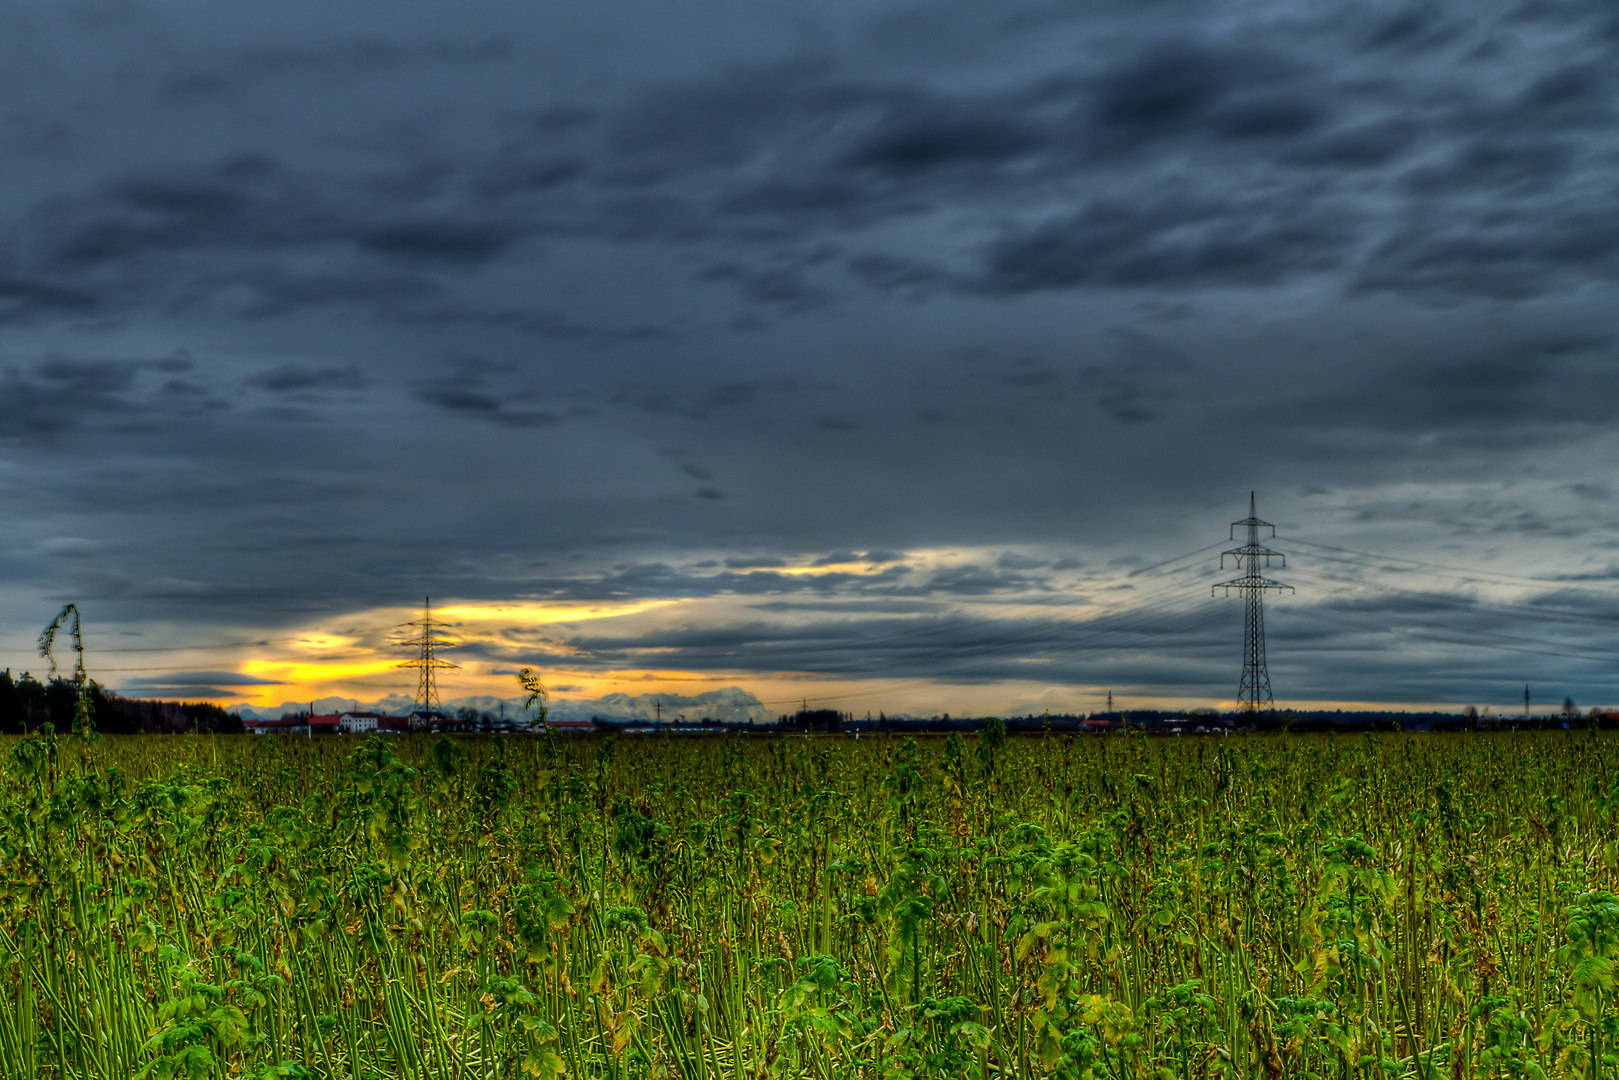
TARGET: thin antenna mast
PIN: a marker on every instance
(1253, 692)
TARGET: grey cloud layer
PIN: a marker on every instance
(1474, 159)
(304, 314)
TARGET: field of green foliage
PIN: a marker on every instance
(1388, 906)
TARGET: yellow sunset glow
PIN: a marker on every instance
(545, 613)
(831, 568)
(365, 660)
(297, 672)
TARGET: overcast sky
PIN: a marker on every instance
(877, 354)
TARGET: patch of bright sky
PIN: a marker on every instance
(363, 659)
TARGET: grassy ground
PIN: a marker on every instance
(1389, 906)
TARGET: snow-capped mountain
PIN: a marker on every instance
(731, 704)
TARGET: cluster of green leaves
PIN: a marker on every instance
(1079, 908)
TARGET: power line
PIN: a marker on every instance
(1532, 611)
(1498, 635)
(1438, 635)
(1459, 572)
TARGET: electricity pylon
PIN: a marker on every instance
(428, 639)
(1253, 693)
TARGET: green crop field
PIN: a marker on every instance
(1388, 906)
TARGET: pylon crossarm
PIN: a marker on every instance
(1253, 554)
(1254, 584)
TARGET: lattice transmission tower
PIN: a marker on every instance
(1253, 693)
(427, 638)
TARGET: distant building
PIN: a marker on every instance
(360, 723)
(348, 723)
(570, 727)
(287, 725)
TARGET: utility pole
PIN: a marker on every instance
(429, 638)
(1526, 701)
(658, 708)
(1110, 702)
(1253, 692)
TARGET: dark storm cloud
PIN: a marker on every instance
(733, 396)
(333, 63)
(805, 144)
(1012, 576)
(741, 577)
(891, 273)
(22, 298)
(956, 648)
(1193, 160)
(237, 231)
(1355, 146)
(1141, 380)
(294, 378)
(784, 285)
(1512, 387)
(468, 389)
(758, 562)
(199, 678)
(1198, 89)
(59, 394)
(852, 606)
(1173, 241)
(243, 202)
(974, 580)
(1499, 253)
(178, 691)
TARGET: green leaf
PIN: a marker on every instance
(1594, 973)
(977, 1034)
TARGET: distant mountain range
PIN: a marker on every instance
(731, 704)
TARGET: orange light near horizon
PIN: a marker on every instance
(298, 681)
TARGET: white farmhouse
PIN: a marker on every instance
(360, 723)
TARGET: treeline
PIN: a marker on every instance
(1157, 721)
(26, 705)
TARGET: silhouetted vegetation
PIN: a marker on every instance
(26, 705)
